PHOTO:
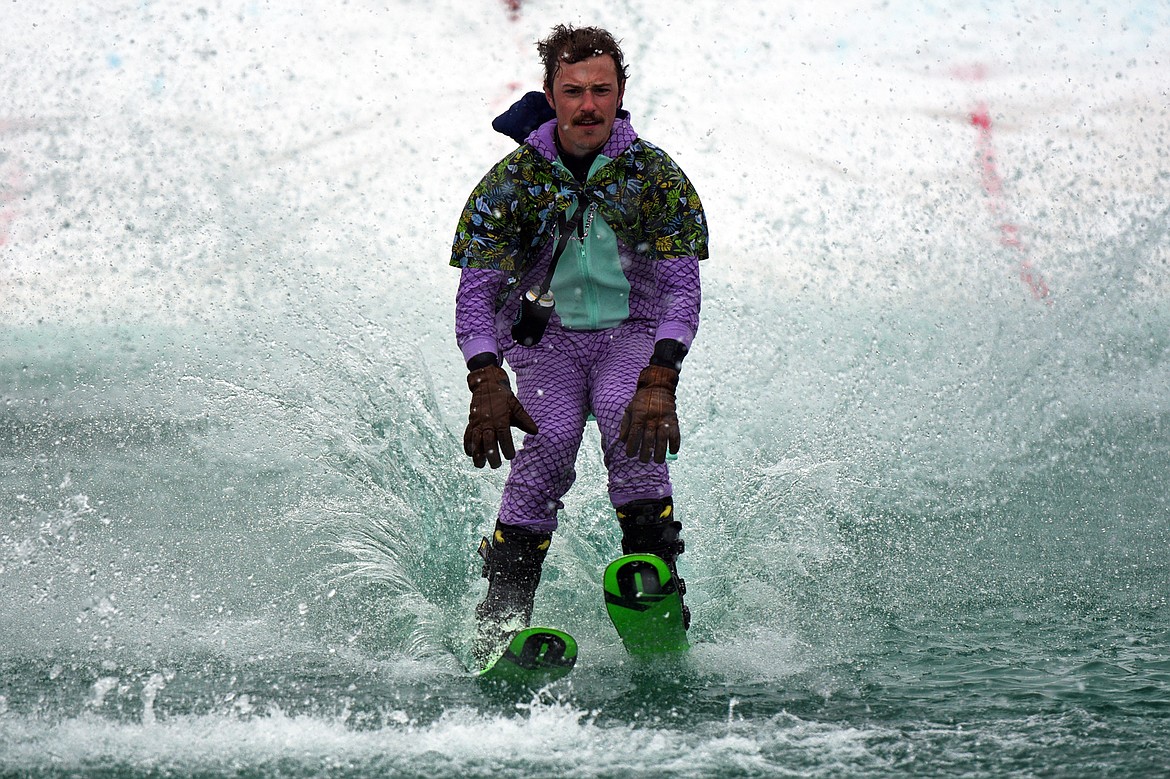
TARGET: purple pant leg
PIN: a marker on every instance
(614, 378)
(551, 385)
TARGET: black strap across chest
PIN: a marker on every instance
(566, 227)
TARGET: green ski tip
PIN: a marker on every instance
(644, 605)
(534, 657)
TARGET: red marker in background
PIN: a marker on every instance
(512, 87)
(513, 7)
(993, 187)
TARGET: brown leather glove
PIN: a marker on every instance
(650, 423)
(494, 411)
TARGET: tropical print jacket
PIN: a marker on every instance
(641, 193)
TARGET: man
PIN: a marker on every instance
(610, 228)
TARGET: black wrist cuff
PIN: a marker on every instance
(669, 353)
(482, 360)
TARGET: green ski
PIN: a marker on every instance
(644, 603)
(534, 657)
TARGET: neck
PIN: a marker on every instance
(578, 164)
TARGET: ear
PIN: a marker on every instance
(548, 96)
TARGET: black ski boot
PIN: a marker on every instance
(649, 527)
(512, 561)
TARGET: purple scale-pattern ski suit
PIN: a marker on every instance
(572, 373)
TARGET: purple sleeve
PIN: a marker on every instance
(678, 284)
(475, 310)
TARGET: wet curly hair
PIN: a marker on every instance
(569, 44)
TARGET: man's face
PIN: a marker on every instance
(586, 97)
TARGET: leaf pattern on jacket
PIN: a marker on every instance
(642, 194)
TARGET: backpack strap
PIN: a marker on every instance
(566, 227)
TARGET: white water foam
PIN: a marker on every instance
(545, 737)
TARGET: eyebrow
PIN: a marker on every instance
(588, 84)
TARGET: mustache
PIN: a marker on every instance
(587, 117)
